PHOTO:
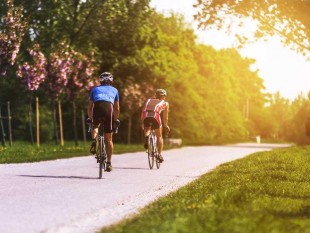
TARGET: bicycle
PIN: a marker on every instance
(101, 153)
(152, 150)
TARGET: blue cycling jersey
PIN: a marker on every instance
(104, 93)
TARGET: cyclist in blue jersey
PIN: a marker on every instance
(104, 107)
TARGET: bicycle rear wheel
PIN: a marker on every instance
(156, 157)
(100, 156)
(150, 151)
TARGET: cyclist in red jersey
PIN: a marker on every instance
(151, 115)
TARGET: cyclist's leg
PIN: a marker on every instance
(160, 144)
(146, 130)
(110, 146)
(94, 135)
(98, 110)
(158, 132)
(108, 133)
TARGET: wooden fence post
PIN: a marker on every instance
(2, 129)
(83, 127)
(60, 124)
(10, 123)
(38, 121)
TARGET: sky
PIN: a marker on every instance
(281, 69)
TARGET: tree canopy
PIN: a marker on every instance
(214, 95)
(286, 18)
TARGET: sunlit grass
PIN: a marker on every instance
(264, 192)
(24, 152)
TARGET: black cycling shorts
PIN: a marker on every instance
(151, 121)
(103, 113)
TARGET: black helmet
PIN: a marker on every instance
(161, 92)
(106, 77)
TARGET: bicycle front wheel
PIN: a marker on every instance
(150, 152)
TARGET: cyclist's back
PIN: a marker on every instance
(151, 118)
(151, 111)
(103, 108)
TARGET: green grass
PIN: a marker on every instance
(267, 192)
(22, 152)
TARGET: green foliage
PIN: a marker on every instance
(265, 192)
(275, 17)
(214, 96)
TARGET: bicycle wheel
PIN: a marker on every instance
(156, 156)
(104, 155)
(100, 156)
(150, 151)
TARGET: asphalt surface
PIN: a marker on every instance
(66, 195)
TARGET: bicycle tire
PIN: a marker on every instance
(156, 157)
(100, 156)
(150, 150)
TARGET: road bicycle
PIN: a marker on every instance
(101, 153)
(152, 153)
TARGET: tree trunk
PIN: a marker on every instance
(129, 130)
(30, 121)
(84, 128)
(74, 124)
(55, 122)
(38, 121)
(2, 130)
(10, 124)
(60, 124)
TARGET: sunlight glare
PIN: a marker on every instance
(281, 68)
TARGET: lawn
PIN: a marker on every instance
(22, 152)
(266, 192)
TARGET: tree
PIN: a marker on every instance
(132, 99)
(32, 76)
(51, 22)
(286, 18)
(12, 29)
(79, 81)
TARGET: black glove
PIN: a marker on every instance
(116, 125)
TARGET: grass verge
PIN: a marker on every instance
(22, 152)
(264, 192)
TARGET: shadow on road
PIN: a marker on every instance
(60, 177)
(132, 168)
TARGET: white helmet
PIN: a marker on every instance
(106, 77)
(160, 92)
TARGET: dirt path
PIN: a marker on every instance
(66, 196)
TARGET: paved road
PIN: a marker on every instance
(66, 196)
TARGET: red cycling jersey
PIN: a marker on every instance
(152, 109)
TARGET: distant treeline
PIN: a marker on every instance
(215, 96)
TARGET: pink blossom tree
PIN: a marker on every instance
(51, 72)
(11, 33)
(132, 99)
(32, 75)
(64, 73)
(79, 81)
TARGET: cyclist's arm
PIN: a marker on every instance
(90, 109)
(116, 110)
(166, 115)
